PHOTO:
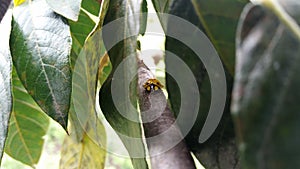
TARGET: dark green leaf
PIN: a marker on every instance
(67, 8)
(143, 17)
(40, 43)
(118, 54)
(28, 124)
(219, 21)
(219, 151)
(5, 80)
(266, 92)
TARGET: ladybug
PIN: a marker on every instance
(152, 85)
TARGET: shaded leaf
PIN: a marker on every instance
(85, 83)
(266, 89)
(83, 27)
(28, 124)
(3, 8)
(86, 153)
(5, 80)
(220, 150)
(67, 8)
(143, 17)
(119, 55)
(85, 80)
(40, 44)
(163, 6)
(219, 23)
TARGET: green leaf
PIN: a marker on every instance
(143, 17)
(85, 78)
(92, 6)
(163, 6)
(220, 149)
(118, 54)
(79, 32)
(104, 69)
(85, 83)
(266, 93)
(67, 8)
(85, 154)
(28, 125)
(5, 80)
(82, 28)
(40, 45)
(219, 23)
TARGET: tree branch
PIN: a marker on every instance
(165, 142)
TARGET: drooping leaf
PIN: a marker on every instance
(85, 83)
(40, 44)
(143, 17)
(121, 42)
(86, 153)
(266, 88)
(5, 80)
(85, 24)
(28, 124)
(68, 8)
(3, 8)
(85, 80)
(220, 150)
(219, 20)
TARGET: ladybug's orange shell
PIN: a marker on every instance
(152, 84)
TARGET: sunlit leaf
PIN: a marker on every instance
(40, 44)
(67, 8)
(266, 88)
(28, 124)
(87, 153)
(5, 80)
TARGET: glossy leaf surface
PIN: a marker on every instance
(118, 53)
(267, 82)
(5, 80)
(40, 44)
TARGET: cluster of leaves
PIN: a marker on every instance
(49, 58)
